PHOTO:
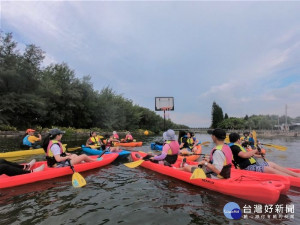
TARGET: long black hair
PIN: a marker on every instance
(47, 140)
(181, 134)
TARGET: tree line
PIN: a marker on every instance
(33, 95)
(266, 122)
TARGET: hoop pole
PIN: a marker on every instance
(164, 120)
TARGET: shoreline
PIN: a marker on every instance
(261, 133)
(7, 134)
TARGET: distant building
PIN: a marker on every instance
(294, 126)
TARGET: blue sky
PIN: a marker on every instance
(243, 55)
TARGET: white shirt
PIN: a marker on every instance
(55, 149)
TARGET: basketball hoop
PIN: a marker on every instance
(164, 103)
(165, 108)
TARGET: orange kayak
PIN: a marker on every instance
(129, 144)
(190, 158)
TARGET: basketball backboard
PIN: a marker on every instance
(164, 103)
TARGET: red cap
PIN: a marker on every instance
(29, 130)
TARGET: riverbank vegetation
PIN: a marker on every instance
(257, 122)
(33, 95)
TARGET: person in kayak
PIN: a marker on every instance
(189, 144)
(30, 140)
(110, 144)
(182, 137)
(251, 141)
(94, 141)
(13, 169)
(170, 150)
(128, 138)
(245, 139)
(245, 159)
(115, 135)
(56, 154)
(218, 163)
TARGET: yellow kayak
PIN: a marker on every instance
(38, 151)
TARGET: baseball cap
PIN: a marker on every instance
(56, 131)
(29, 130)
(218, 133)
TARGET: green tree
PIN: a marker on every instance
(217, 115)
(226, 116)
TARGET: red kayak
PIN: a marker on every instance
(49, 173)
(241, 186)
(295, 181)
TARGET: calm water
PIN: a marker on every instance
(116, 194)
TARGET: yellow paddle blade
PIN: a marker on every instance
(205, 143)
(278, 147)
(73, 149)
(198, 174)
(78, 180)
(254, 137)
(134, 164)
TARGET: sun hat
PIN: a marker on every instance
(169, 135)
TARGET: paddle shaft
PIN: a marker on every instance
(72, 167)
(102, 153)
(262, 155)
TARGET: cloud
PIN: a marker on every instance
(245, 56)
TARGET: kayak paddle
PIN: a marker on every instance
(77, 179)
(205, 143)
(73, 149)
(134, 164)
(278, 147)
(254, 137)
(198, 174)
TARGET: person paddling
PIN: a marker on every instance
(170, 150)
(30, 140)
(56, 154)
(189, 144)
(218, 164)
(245, 159)
(94, 141)
(115, 135)
(128, 138)
(110, 144)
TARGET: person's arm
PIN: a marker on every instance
(210, 166)
(40, 137)
(87, 144)
(59, 158)
(56, 152)
(218, 162)
(195, 142)
(247, 155)
(163, 154)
